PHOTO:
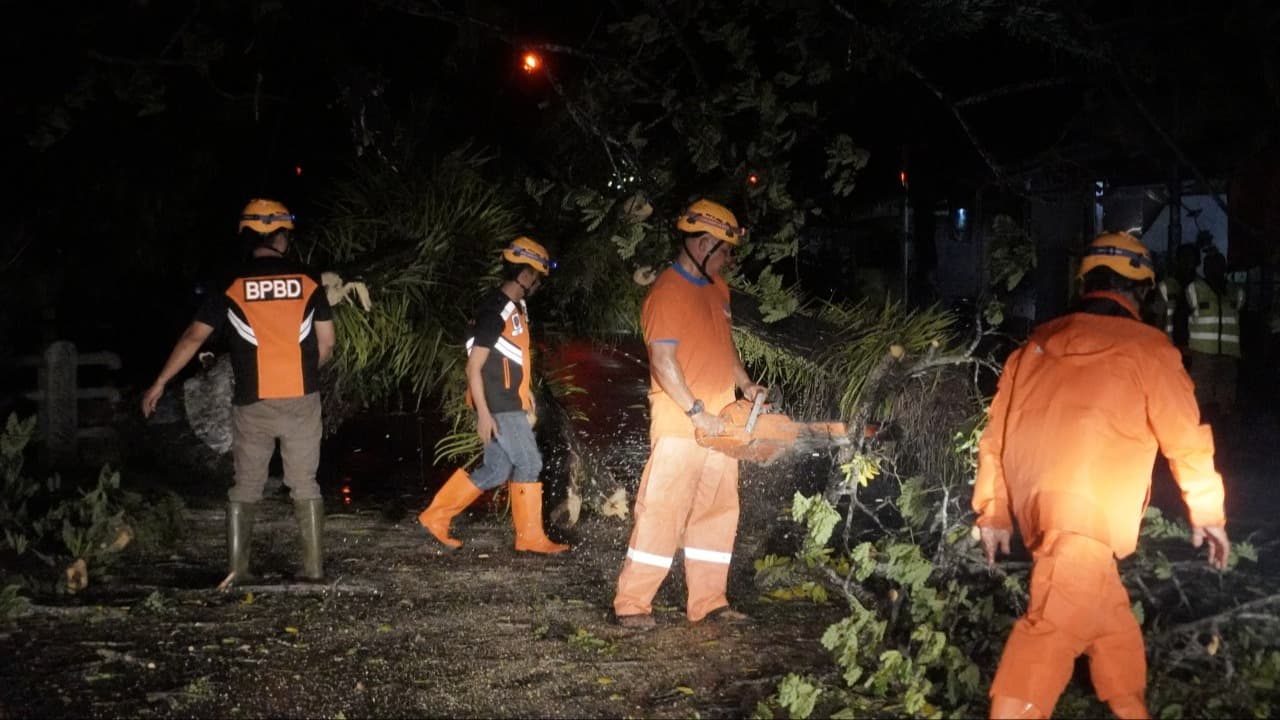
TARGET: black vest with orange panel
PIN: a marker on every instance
(272, 307)
(502, 325)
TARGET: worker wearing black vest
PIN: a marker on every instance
(283, 334)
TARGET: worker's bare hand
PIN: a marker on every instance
(486, 427)
(750, 391)
(151, 398)
(993, 539)
(1219, 545)
(709, 424)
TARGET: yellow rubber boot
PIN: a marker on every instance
(458, 492)
(1007, 707)
(526, 514)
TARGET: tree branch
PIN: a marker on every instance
(694, 66)
(911, 69)
(16, 255)
(1122, 77)
(1209, 621)
(1009, 90)
(201, 69)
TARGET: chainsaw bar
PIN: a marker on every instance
(755, 434)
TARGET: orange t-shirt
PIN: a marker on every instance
(693, 314)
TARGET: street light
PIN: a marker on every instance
(530, 62)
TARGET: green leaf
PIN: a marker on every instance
(537, 188)
(1245, 551)
(634, 138)
(776, 302)
(993, 313)
(818, 516)
(786, 79)
(913, 502)
(798, 696)
(844, 160)
(907, 565)
(864, 565)
(931, 642)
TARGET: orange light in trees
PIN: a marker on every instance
(754, 179)
(902, 178)
(531, 62)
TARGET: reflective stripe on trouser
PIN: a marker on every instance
(254, 430)
(1078, 606)
(689, 492)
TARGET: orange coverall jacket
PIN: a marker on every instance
(1073, 430)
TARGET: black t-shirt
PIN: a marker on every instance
(502, 325)
(271, 306)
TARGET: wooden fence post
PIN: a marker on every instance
(59, 411)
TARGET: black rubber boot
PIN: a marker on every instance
(311, 525)
(239, 540)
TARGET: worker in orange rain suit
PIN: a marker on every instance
(1073, 430)
(499, 368)
(688, 494)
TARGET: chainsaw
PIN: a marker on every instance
(755, 432)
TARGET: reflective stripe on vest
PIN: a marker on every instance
(1214, 325)
(1169, 291)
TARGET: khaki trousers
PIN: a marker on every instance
(295, 422)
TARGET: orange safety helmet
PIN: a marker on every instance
(526, 251)
(265, 216)
(705, 216)
(1122, 253)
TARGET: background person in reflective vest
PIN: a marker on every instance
(1173, 291)
(1214, 336)
(283, 333)
(1068, 452)
(499, 369)
(688, 495)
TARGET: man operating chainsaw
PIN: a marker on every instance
(688, 496)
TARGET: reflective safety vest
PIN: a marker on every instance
(1214, 326)
(1169, 289)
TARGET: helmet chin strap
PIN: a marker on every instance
(528, 289)
(270, 247)
(702, 266)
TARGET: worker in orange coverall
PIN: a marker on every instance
(688, 494)
(1068, 451)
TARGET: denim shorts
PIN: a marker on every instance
(512, 455)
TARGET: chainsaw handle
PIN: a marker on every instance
(756, 407)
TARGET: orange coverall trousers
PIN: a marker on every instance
(688, 498)
(1078, 606)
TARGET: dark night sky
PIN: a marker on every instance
(82, 202)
